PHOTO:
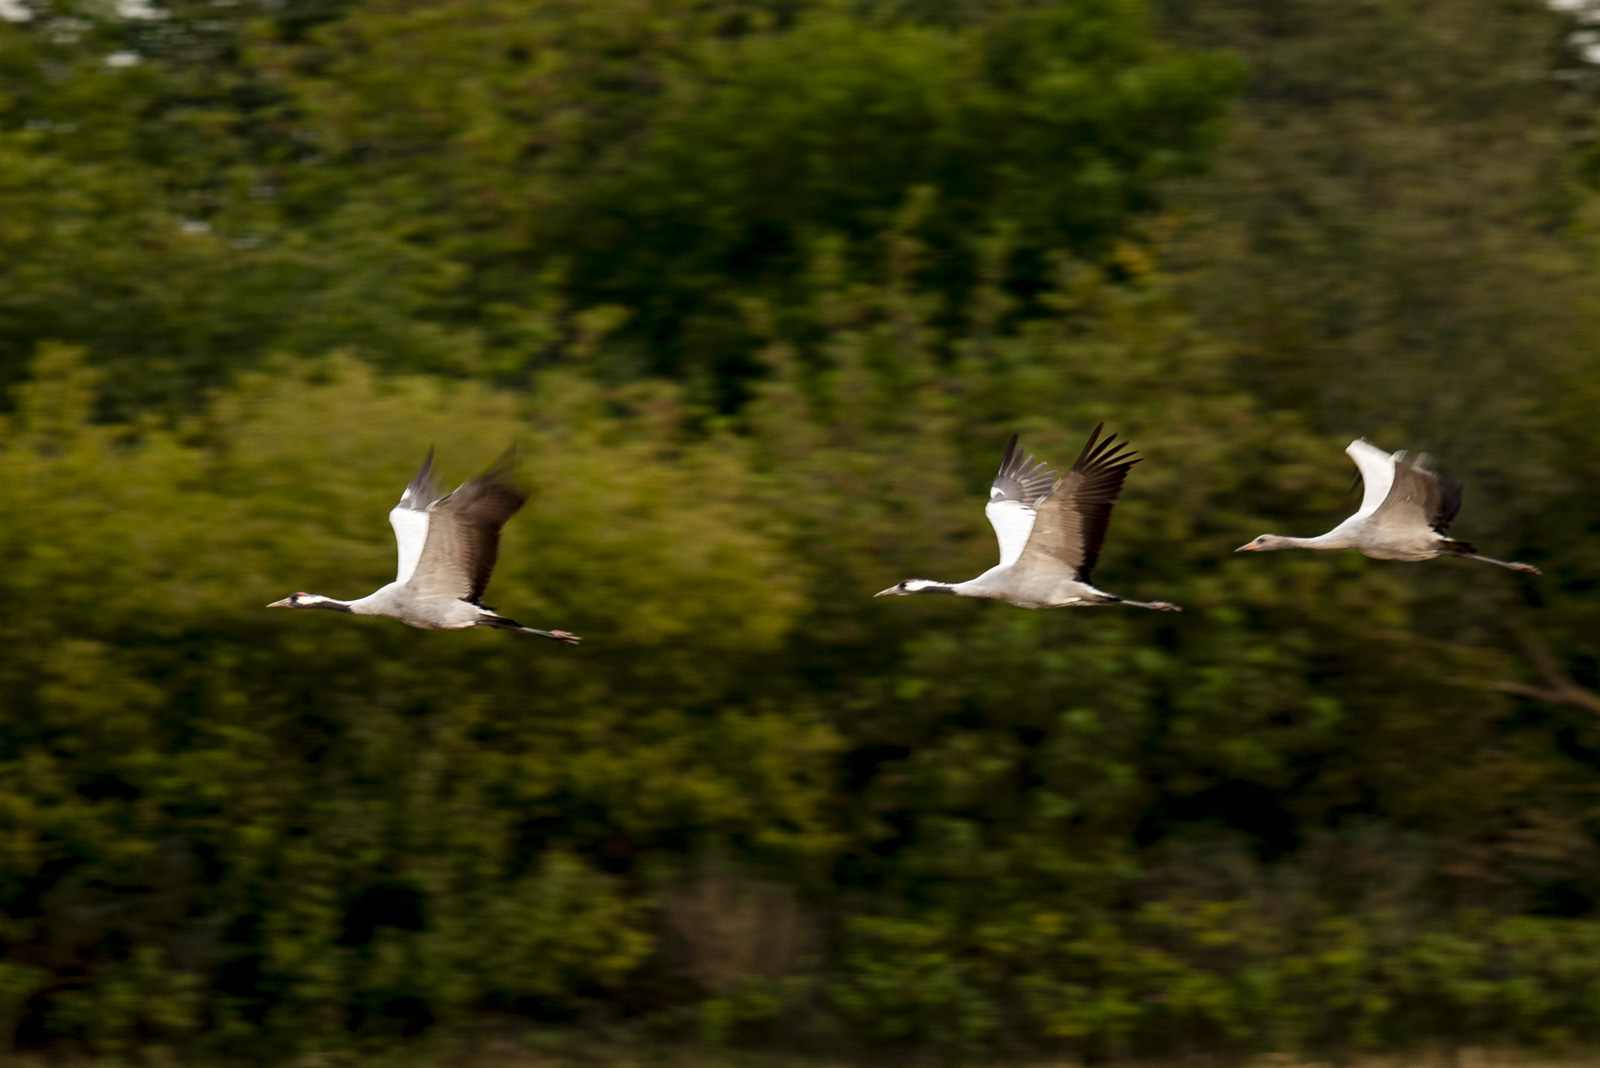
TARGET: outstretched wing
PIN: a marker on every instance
(1420, 495)
(1014, 498)
(464, 534)
(1377, 474)
(409, 518)
(1072, 521)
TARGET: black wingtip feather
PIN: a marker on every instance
(1102, 467)
(421, 491)
(1009, 464)
(1449, 503)
(1098, 454)
(1020, 478)
(1442, 500)
(503, 465)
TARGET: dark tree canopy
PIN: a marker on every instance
(459, 186)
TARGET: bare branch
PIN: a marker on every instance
(1559, 689)
(1568, 695)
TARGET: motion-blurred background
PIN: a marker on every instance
(761, 287)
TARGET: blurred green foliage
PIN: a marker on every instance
(760, 289)
(463, 187)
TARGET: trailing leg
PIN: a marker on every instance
(502, 623)
(1466, 551)
(1157, 606)
(1512, 565)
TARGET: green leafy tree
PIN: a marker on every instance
(465, 187)
(674, 163)
(1327, 808)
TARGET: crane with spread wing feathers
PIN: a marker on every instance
(1406, 507)
(1050, 531)
(447, 544)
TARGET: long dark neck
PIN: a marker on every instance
(319, 601)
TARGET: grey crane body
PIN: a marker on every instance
(399, 601)
(1406, 507)
(1048, 591)
(1050, 532)
(447, 546)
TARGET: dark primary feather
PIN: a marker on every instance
(1416, 485)
(464, 533)
(423, 489)
(1073, 520)
(1020, 479)
(1444, 513)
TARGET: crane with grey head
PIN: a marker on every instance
(1050, 531)
(448, 543)
(1406, 507)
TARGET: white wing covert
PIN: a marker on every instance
(1377, 474)
(410, 534)
(1012, 522)
(409, 519)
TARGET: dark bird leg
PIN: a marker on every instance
(1466, 551)
(1527, 569)
(502, 623)
(554, 635)
(1158, 606)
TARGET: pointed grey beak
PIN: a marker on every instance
(285, 603)
(891, 591)
(1251, 548)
